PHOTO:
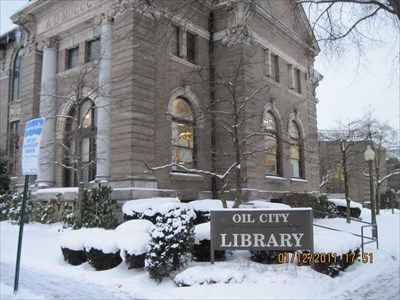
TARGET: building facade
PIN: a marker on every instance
(152, 96)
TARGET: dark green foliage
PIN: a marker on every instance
(98, 210)
(332, 268)
(172, 237)
(300, 200)
(264, 256)
(355, 212)
(103, 261)
(4, 176)
(201, 252)
(45, 211)
(201, 217)
(10, 207)
(388, 200)
(135, 261)
(74, 257)
(325, 209)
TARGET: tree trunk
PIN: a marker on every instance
(238, 156)
(79, 168)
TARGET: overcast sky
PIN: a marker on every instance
(348, 88)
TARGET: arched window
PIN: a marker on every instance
(295, 150)
(182, 134)
(272, 157)
(83, 132)
(16, 79)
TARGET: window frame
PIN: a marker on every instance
(191, 43)
(16, 78)
(273, 134)
(176, 38)
(296, 142)
(68, 64)
(88, 57)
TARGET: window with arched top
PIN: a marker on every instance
(16, 77)
(295, 150)
(182, 134)
(80, 128)
(272, 152)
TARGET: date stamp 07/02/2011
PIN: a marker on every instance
(322, 258)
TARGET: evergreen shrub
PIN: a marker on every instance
(103, 261)
(45, 211)
(171, 239)
(264, 256)
(300, 200)
(135, 261)
(325, 209)
(74, 257)
(10, 207)
(355, 212)
(201, 252)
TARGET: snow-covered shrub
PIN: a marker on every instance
(300, 200)
(10, 207)
(203, 207)
(340, 204)
(200, 275)
(68, 218)
(149, 208)
(45, 212)
(325, 209)
(132, 226)
(171, 238)
(72, 245)
(264, 256)
(4, 176)
(388, 200)
(133, 248)
(101, 250)
(202, 245)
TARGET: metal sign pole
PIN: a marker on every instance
(21, 232)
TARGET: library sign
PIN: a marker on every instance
(261, 229)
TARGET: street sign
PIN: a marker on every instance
(31, 146)
(261, 229)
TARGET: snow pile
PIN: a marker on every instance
(134, 226)
(167, 207)
(265, 204)
(326, 240)
(342, 202)
(148, 207)
(105, 241)
(133, 243)
(75, 239)
(7, 292)
(208, 275)
(206, 205)
(202, 232)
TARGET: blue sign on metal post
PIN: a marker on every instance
(31, 146)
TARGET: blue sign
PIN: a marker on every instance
(31, 146)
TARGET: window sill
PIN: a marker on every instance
(272, 178)
(67, 72)
(269, 79)
(15, 101)
(185, 62)
(298, 180)
(186, 176)
(295, 93)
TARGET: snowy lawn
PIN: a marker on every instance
(44, 274)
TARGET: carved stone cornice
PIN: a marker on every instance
(49, 43)
(29, 45)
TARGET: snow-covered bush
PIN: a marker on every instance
(72, 245)
(171, 238)
(264, 256)
(4, 176)
(68, 217)
(133, 248)
(340, 204)
(203, 207)
(101, 249)
(202, 244)
(45, 212)
(200, 275)
(325, 209)
(148, 208)
(10, 207)
(132, 226)
(300, 200)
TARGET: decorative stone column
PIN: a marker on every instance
(48, 91)
(103, 139)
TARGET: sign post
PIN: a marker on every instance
(261, 229)
(30, 166)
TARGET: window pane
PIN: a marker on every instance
(182, 110)
(72, 57)
(275, 67)
(297, 81)
(294, 132)
(175, 41)
(191, 48)
(93, 50)
(87, 114)
(295, 164)
(16, 83)
(271, 159)
(182, 156)
(269, 122)
(182, 135)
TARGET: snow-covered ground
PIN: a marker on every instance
(44, 274)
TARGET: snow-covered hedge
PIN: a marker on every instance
(134, 226)
(148, 208)
(203, 207)
(341, 205)
(10, 207)
(102, 251)
(208, 275)
(72, 244)
(133, 248)
(202, 246)
(171, 239)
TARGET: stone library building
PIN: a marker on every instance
(161, 98)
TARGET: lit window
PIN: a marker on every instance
(271, 145)
(175, 45)
(72, 57)
(182, 135)
(93, 50)
(295, 150)
(16, 79)
(191, 47)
